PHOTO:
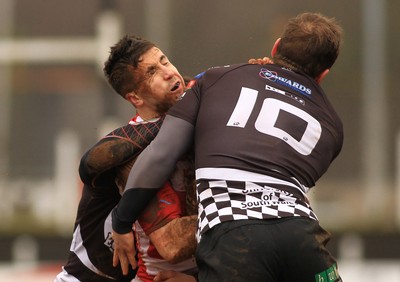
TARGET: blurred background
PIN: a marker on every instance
(55, 104)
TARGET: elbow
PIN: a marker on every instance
(174, 253)
(176, 241)
(175, 256)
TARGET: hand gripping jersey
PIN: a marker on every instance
(263, 136)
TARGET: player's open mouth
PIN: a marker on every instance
(176, 86)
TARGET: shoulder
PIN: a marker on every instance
(222, 70)
(212, 75)
(133, 130)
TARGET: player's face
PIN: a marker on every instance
(163, 84)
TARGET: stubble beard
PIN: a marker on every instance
(163, 107)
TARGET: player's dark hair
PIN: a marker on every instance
(310, 43)
(123, 61)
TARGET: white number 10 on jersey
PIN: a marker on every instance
(267, 117)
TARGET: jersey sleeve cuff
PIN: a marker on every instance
(131, 205)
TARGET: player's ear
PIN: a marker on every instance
(321, 76)
(275, 47)
(134, 99)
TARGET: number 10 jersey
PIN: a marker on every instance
(263, 136)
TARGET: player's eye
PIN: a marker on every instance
(151, 71)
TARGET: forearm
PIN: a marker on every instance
(176, 240)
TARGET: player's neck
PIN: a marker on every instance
(147, 115)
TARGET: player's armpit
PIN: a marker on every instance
(176, 241)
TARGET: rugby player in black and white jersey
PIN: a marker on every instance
(143, 75)
(263, 136)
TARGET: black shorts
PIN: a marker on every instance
(276, 250)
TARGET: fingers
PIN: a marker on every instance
(124, 251)
(118, 258)
(267, 60)
(115, 258)
(260, 61)
(132, 259)
(124, 265)
(164, 275)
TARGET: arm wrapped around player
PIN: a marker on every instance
(116, 148)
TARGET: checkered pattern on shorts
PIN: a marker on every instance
(224, 200)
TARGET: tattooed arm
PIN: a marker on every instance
(176, 240)
(98, 165)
